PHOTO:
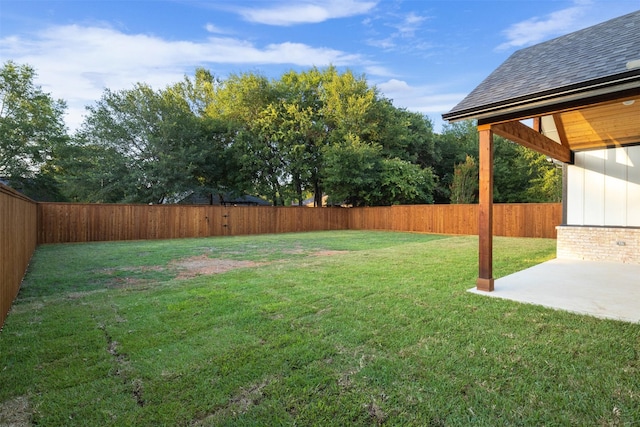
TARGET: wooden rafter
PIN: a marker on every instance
(524, 135)
(562, 134)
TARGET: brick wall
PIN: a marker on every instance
(615, 244)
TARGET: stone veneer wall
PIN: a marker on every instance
(615, 244)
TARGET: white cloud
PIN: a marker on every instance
(536, 29)
(296, 12)
(410, 24)
(77, 63)
(582, 14)
(211, 28)
(405, 30)
(377, 70)
(426, 99)
(394, 86)
(386, 44)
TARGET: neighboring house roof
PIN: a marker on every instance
(245, 200)
(592, 62)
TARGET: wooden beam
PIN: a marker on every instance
(485, 211)
(524, 135)
(537, 124)
(562, 133)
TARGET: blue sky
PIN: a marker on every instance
(424, 55)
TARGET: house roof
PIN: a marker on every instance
(592, 63)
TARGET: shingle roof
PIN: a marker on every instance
(597, 53)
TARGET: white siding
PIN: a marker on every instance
(594, 187)
(575, 192)
(603, 188)
(633, 186)
(615, 184)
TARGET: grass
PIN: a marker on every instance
(328, 328)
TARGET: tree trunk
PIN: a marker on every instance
(317, 194)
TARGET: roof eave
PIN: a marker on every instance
(627, 84)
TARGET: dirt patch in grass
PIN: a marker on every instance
(376, 414)
(243, 401)
(248, 397)
(203, 265)
(122, 367)
(186, 268)
(15, 412)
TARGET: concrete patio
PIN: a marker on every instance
(602, 289)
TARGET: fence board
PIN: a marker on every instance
(512, 220)
(18, 237)
(74, 222)
(69, 222)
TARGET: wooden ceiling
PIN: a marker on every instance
(609, 124)
(559, 133)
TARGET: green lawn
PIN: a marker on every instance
(328, 328)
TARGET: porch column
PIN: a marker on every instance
(485, 210)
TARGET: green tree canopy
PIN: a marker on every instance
(31, 128)
(313, 132)
(288, 131)
(141, 145)
(520, 174)
(464, 186)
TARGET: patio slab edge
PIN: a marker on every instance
(602, 289)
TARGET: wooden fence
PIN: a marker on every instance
(18, 237)
(66, 222)
(24, 224)
(511, 220)
(69, 222)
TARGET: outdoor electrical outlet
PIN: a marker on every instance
(620, 243)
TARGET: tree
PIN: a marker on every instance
(357, 174)
(248, 102)
(376, 154)
(402, 182)
(223, 170)
(404, 134)
(198, 92)
(157, 147)
(248, 134)
(353, 172)
(91, 172)
(306, 133)
(31, 124)
(457, 141)
(464, 187)
(520, 174)
(510, 172)
(545, 178)
(284, 126)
